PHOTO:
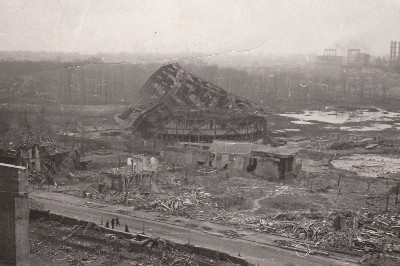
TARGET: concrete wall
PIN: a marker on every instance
(185, 156)
(297, 166)
(239, 162)
(178, 156)
(14, 216)
(234, 161)
(270, 167)
(267, 168)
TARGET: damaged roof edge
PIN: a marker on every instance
(181, 90)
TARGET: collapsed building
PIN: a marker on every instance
(34, 149)
(176, 105)
(259, 159)
(139, 170)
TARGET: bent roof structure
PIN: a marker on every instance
(25, 139)
(171, 89)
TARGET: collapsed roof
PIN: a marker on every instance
(26, 139)
(172, 89)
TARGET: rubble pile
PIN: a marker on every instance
(343, 145)
(230, 233)
(360, 233)
(35, 177)
(54, 241)
(169, 255)
(184, 203)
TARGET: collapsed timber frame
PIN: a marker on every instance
(176, 105)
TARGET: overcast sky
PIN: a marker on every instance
(205, 26)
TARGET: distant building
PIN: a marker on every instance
(329, 59)
(326, 60)
(356, 58)
(363, 59)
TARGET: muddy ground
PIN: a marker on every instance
(338, 175)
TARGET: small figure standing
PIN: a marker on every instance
(112, 223)
(107, 224)
(126, 228)
(117, 222)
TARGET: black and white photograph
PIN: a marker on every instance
(199, 132)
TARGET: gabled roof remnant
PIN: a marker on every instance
(26, 139)
(177, 90)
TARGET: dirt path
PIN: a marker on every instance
(277, 191)
(256, 202)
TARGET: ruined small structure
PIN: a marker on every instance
(176, 105)
(140, 164)
(139, 170)
(114, 181)
(261, 160)
(36, 149)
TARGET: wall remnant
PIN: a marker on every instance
(14, 215)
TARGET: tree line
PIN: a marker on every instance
(92, 81)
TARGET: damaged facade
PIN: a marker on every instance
(139, 170)
(261, 160)
(141, 164)
(176, 105)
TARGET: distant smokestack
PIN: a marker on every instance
(398, 54)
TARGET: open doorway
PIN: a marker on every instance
(252, 165)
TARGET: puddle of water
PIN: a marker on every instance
(321, 116)
(373, 127)
(292, 129)
(341, 117)
(368, 165)
(330, 127)
(301, 122)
